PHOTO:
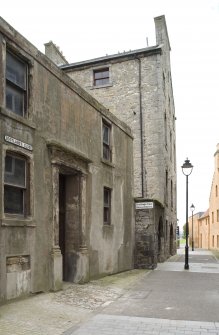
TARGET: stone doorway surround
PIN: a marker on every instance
(67, 162)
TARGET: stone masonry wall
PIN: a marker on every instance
(145, 246)
(142, 82)
(122, 98)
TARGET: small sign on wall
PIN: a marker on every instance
(18, 143)
(144, 205)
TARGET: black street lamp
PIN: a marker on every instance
(192, 207)
(187, 170)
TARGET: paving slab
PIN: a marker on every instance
(103, 324)
(167, 300)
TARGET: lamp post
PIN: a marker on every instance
(187, 170)
(192, 207)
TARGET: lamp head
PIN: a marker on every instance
(187, 167)
(192, 207)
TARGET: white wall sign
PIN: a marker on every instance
(144, 205)
(18, 143)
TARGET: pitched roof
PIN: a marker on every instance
(129, 54)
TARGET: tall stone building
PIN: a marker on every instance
(136, 86)
(66, 181)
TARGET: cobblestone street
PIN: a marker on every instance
(53, 313)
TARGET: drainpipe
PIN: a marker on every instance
(141, 127)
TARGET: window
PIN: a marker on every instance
(165, 127)
(16, 84)
(106, 129)
(213, 241)
(171, 144)
(171, 189)
(107, 206)
(217, 215)
(166, 193)
(216, 191)
(212, 217)
(15, 185)
(101, 77)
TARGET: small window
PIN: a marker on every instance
(107, 206)
(106, 133)
(166, 190)
(217, 215)
(216, 191)
(16, 84)
(212, 217)
(101, 77)
(171, 190)
(171, 146)
(15, 185)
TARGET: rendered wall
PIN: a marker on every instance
(64, 129)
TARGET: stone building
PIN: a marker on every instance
(201, 235)
(207, 233)
(214, 205)
(66, 182)
(136, 86)
(195, 223)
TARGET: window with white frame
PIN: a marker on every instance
(15, 185)
(16, 84)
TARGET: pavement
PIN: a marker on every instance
(167, 300)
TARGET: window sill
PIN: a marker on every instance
(17, 222)
(104, 161)
(101, 86)
(17, 118)
(108, 230)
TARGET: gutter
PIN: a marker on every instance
(110, 58)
